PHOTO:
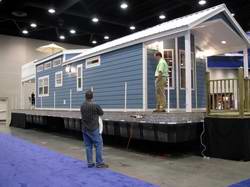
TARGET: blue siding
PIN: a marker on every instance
(69, 56)
(48, 102)
(108, 81)
(201, 83)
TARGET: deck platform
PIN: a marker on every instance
(171, 127)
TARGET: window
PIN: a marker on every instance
(47, 65)
(57, 62)
(39, 68)
(169, 57)
(183, 70)
(79, 77)
(43, 86)
(93, 62)
(58, 79)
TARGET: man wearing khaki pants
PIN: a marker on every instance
(161, 75)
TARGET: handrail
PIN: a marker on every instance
(228, 95)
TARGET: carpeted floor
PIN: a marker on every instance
(23, 164)
(245, 183)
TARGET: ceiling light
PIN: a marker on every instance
(224, 42)
(94, 42)
(62, 37)
(72, 31)
(202, 2)
(233, 14)
(124, 5)
(162, 16)
(52, 11)
(132, 27)
(33, 25)
(95, 19)
(106, 37)
(25, 31)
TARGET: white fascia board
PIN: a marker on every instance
(73, 51)
(48, 58)
(134, 42)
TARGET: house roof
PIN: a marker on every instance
(171, 27)
(64, 52)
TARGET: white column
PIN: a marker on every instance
(145, 78)
(245, 62)
(188, 75)
(177, 73)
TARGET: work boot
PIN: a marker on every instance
(102, 166)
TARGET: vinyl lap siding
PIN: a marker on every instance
(108, 79)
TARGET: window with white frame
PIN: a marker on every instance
(39, 68)
(79, 77)
(47, 65)
(57, 62)
(169, 57)
(183, 69)
(43, 86)
(93, 62)
(58, 79)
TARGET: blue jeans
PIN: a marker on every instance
(93, 138)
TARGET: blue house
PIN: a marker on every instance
(121, 72)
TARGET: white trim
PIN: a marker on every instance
(171, 27)
(145, 76)
(77, 78)
(177, 87)
(41, 66)
(54, 100)
(47, 65)
(42, 78)
(188, 75)
(245, 63)
(58, 73)
(173, 68)
(57, 64)
(127, 44)
(72, 51)
(122, 110)
(87, 66)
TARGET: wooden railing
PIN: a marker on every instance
(228, 96)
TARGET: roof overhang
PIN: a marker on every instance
(172, 27)
(65, 52)
(209, 37)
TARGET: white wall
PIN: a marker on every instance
(223, 73)
(14, 52)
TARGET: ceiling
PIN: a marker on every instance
(17, 15)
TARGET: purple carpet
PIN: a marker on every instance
(245, 183)
(24, 164)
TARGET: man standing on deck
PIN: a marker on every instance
(161, 75)
(91, 134)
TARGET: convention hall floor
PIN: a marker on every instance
(185, 170)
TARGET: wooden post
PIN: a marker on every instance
(207, 92)
(241, 91)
